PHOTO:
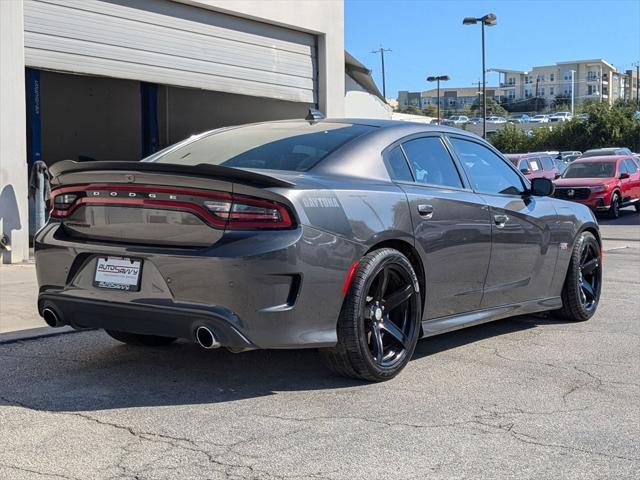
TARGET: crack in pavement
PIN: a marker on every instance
(43, 474)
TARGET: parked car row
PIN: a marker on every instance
(604, 179)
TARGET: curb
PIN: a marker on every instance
(33, 334)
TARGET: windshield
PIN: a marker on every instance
(296, 146)
(590, 170)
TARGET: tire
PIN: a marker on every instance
(637, 205)
(614, 208)
(140, 340)
(584, 276)
(374, 344)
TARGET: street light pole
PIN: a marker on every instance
(437, 79)
(572, 93)
(384, 86)
(489, 20)
(484, 90)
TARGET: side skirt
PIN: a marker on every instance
(436, 326)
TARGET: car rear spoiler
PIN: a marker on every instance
(201, 170)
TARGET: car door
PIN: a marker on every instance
(634, 179)
(523, 256)
(549, 167)
(626, 185)
(451, 225)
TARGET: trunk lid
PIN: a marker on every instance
(150, 203)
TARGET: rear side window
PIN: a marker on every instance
(547, 162)
(296, 146)
(398, 166)
(431, 162)
(535, 164)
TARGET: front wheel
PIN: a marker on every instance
(379, 323)
(614, 209)
(583, 283)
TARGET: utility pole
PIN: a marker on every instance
(384, 86)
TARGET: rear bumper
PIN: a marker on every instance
(277, 289)
(167, 320)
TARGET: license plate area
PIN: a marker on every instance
(118, 273)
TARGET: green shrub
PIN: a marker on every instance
(606, 126)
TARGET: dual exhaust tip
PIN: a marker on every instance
(52, 317)
(204, 336)
(206, 339)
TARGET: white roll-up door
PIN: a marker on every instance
(171, 43)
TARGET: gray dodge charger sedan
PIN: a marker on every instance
(356, 237)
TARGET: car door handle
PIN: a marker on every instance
(500, 220)
(425, 211)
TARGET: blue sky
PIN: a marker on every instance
(427, 37)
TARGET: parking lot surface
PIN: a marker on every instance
(529, 397)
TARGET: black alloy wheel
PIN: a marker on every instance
(583, 283)
(590, 276)
(387, 314)
(380, 319)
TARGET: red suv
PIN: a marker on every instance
(536, 165)
(605, 184)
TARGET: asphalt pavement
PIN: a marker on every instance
(527, 398)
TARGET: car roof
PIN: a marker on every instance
(604, 149)
(600, 159)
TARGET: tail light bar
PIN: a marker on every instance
(217, 209)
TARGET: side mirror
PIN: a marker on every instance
(525, 171)
(624, 175)
(542, 187)
(558, 175)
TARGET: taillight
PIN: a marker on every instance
(218, 209)
(250, 213)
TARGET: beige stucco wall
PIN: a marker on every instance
(14, 220)
(324, 18)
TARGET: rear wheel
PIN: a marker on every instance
(379, 323)
(614, 209)
(138, 339)
(582, 285)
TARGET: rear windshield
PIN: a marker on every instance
(590, 170)
(296, 146)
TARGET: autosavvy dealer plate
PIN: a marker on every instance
(118, 273)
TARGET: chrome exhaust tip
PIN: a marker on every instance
(52, 318)
(206, 339)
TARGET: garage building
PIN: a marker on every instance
(120, 79)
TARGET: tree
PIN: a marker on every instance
(493, 108)
(430, 110)
(410, 110)
(606, 126)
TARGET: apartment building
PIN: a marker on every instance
(592, 80)
(450, 98)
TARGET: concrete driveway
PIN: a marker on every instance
(527, 398)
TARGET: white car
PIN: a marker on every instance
(456, 120)
(539, 119)
(496, 120)
(561, 117)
